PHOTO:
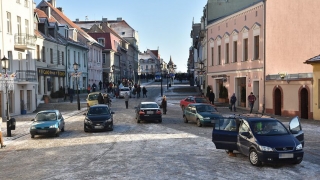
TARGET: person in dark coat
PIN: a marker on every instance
(138, 91)
(144, 92)
(94, 86)
(100, 99)
(211, 97)
(164, 104)
(233, 101)
(100, 85)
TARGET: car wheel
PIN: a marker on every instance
(160, 120)
(185, 120)
(199, 123)
(254, 158)
(298, 161)
(85, 129)
(57, 134)
(62, 129)
(32, 135)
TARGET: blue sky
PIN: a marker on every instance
(161, 23)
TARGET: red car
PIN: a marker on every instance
(192, 99)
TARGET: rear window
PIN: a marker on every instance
(201, 100)
(93, 97)
(124, 89)
(149, 106)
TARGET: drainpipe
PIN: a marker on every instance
(264, 58)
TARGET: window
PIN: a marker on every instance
(79, 59)
(245, 17)
(256, 13)
(103, 58)
(9, 29)
(235, 51)
(245, 49)
(51, 56)
(62, 58)
(58, 59)
(219, 55)
(227, 54)
(256, 47)
(84, 60)
(74, 56)
(18, 1)
(43, 54)
(19, 24)
(26, 3)
(123, 33)
(26, 22)
(68, 57)
(10, 59)
(244, 128)
(101, 41)
(38, 53)
(212, 56)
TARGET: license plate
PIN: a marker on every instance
(98, 127)
(42, 131)
(285, 155)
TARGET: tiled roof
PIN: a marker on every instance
(40, 13)
(68, 21)
(315, 59)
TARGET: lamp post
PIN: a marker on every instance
(75, 67)
(161, 65)
(167, 74)
(5, 66)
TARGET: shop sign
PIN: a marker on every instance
(48, 72)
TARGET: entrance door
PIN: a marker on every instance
(304, 103)
(277, 102)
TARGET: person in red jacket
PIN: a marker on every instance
(251, 100)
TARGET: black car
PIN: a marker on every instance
(201, 113)
(98, 117)
(148, 111)
(262, 139)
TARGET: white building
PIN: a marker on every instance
(17, 44)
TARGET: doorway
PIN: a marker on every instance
(304, 103)
(256, 93)
(277, 102)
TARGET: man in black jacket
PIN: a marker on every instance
(211, 97)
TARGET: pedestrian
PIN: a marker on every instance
(94, 86)
(251, 98)
(71, 92)
(164, 104)
(1, 138)
(211, 97)
(100, 99)
(88, 89)
(107, 100)
(66, 91)
(138, 91)
(126, 99)
(233, 100)
(100, 85)
(144, 92)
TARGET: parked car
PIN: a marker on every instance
(148, 111)
(99, 117)
(48, 122)
(158, 78)
(201, 113)
(192, 99)
(262, 139)
(123, 90)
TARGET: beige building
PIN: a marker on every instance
(261, 49)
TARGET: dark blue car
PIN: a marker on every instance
(262, 139)
(98, 118)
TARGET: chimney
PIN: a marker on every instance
(60, 9)
(77, 20)
(52, 2)
(119, 19)
(104, 19)
(47, 10)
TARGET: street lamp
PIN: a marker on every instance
(161, 65)
(5, 66)
(75, 67)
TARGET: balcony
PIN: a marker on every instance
(26, 76)
(25, 41)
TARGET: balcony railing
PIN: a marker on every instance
(26, 75)
(25, 41)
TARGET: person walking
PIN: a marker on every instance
(211, 97)
(100, 99)
(144, 92)
(88, 89)
(94, 86)
(251, 98)
(1, 138)
(233, 101)
(107, 100)
(164, 104)
(126, 99)
(138, 91)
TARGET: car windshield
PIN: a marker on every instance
(149, 106)
(46, 116)
(265, 127)
(205, 108)
(98, 110)
(93, 97)
(201, 100)
(125, 89)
